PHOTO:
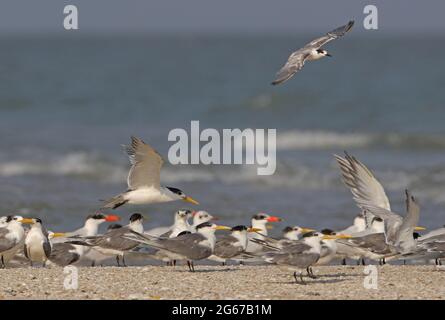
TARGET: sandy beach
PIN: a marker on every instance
(217, 282)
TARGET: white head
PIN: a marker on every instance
(295, 232)
(93, 221)
(323, 53)
(135, 224)
(208, 229)
(182, 215)
(260, 221)
(377, 225)
(201, 217)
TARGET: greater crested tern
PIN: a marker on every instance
(295, 232)
(189, 246)
(311, 51)
(114, 242)
(12, 237)
(299, 256)
(328, 251)
(231, 245)
(144, 179)
(37, 247)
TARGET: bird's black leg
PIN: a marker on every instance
(117, 260)
(437, 261)
(404, 262)
(223, 263)
(310, 273)
(2, 265)
(193, 266)
(295, 276)
(174, 263)
(301, 278)
(363, 262)
(343, 262)
(189, 265)
(123, 261)
(384, 261)
(93, 263)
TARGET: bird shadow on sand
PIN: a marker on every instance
(346, 275)
(308, 281)
(206, 270)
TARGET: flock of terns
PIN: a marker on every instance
(377, 233)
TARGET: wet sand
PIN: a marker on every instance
(217, 282)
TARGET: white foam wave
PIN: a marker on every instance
(301, 140)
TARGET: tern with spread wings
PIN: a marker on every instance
(144, 179)
(311, 51)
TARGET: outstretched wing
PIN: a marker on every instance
(146, 165)
(334, 34)
(294, 64)
(365, 188)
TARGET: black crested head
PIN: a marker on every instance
(175, 190)
(183, 233)
(416, 235)
(135, 217)
(327, 232)
(288, 229)
(96, 216)
(259, 216)
(203, 225)
(38, 220)
(239, 228)
(310, 234)
(9, 218)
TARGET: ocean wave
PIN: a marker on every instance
(309, 140)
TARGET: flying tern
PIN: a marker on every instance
(144, 179)
(311, 51)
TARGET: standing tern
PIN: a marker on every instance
(144, 179)
(300, 255)
(189, 246)
(311, 51)
(12, 237)
(64, 254)
(113, 242)
(231, 245)
(37, 247)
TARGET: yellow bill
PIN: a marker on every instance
(191, 200)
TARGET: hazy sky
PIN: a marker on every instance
(219, 15)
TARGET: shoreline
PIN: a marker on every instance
(217, 282)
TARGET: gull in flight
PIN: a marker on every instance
(311, 51)
(144, 179)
